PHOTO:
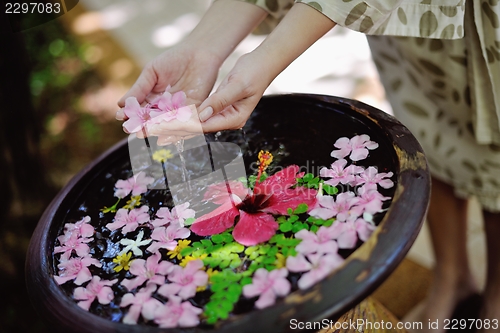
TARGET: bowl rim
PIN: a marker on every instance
(364, 270)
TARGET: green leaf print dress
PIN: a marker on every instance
(439, 61)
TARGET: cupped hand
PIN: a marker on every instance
(183, 68)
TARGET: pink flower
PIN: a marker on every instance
(136, 184)
(168, 102)
(322, 241)
(268, 285)
(73, 243)
(76, 269)
(371, 176)
(166, 237)
(151, 270)
(343, 207)
(184, 281)
(256, 223)
(174, 313)
(351, 230)
(96, 288)
(137, 116)
(130, 221)
(219, 193)
(340, 174)
(356, 147)
(81, 228)
(141, 304)
(177, 215)
(370, 199)
(317, 266)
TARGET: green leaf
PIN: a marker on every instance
(246, 280)
(251, 249)
(206, 242)
(308, 176)
(314, 228)
(228, 238)
(285, 227)
(293, 218)
(328, 222)
(314, 181)
(289, 211)
(301, 208)
(281, 219)
(331, 190)
(187, 251)
(299, 226)
(217, 239)
(189, 221)
(235, 263)
(235, 289)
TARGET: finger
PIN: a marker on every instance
(224, 96)
(142, 87)
(120, 115)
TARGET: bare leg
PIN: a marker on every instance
(491, 301)
(453, 281)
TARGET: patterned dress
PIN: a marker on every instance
(439, 61)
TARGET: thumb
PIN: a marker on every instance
(141, 88)
(225, 96)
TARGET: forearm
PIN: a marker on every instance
(224, 26)
(298, 30)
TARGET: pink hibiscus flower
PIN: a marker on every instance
(96, 288)
(357, 147)
(343, 208)
(351, 230)
(268, 285)
(177, 313)
(178, 215)
(141, 304)
(151, 270)
(317, 266)
(256, 224)
(136, 184)
(129, 221)
(322, 241)
(340, 174)
(76, 269)
(184, 281)
(137, 116)
(218, 193)
(371, 176)
(166, 237)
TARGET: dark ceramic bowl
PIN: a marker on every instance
(307, 125)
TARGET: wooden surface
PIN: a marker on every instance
(369, 310)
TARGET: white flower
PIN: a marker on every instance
(133, 245)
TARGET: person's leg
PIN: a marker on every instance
(491, 296)
(453, 281)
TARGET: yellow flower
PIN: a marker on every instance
(134, 201)
(187, 259)
(182, 244)
(211, 272)
(280, 261)
(162, 155)
(122, 261)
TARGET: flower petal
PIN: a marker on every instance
(252, 229)
(279, 202)
(221, 219)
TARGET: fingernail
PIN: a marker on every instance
(207, 113)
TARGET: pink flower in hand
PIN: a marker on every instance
(351, 230)
(171, 107)
(166, 237)
(137, 116)
(340, 174)
(317, 266)
(268, 285)
(96, 288)
(178, 215)
(371, 176)
(322, 241)
(136, 184)
(73, 243)
(174, 313)
(184, 281)
(76, 269)
(356, 147)
(130, 221)
(151, 270)
(343, 207)
(141, 304)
